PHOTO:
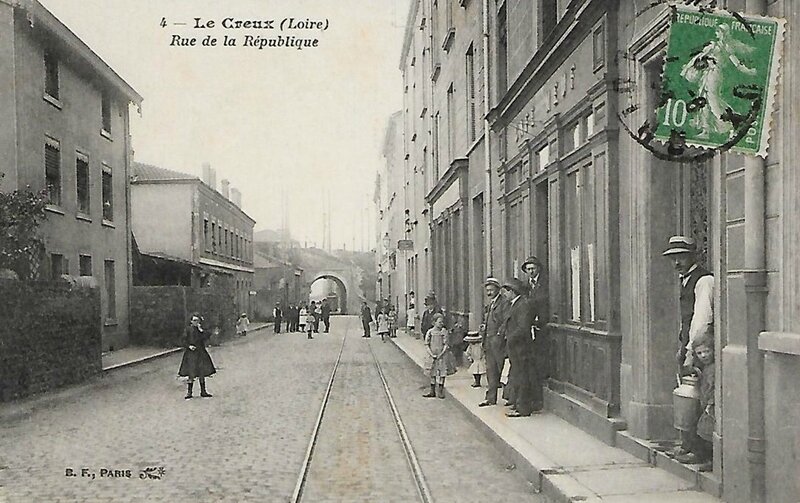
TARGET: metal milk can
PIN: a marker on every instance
(686, 404)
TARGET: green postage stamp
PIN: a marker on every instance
(719, 79)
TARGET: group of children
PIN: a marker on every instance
(386, 322)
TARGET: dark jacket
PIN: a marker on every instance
(366, 314)
(493, 318)
(517, 329)
(197, 362)
(427, 318)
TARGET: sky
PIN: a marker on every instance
(302, 121)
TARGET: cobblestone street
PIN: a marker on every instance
(247, 443)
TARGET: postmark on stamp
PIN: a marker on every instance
(719, 80)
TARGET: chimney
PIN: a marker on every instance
(236, 197)
(225, 188)
(209, 175)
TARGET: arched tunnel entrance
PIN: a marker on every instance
(328, 286)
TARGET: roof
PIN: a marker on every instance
(76, 46)
(147, 172)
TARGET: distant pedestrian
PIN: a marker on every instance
(366, 318)
(431, 309)
(439, 361)
(392, 322)
(411, 320)
(242, 325)
(196, 362)
(295, 318)
(310, 321)
(383, 325)
(326, 315)
(474, 354)
(301, 320)
(277, 315)
(317, 315)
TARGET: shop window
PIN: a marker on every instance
(585, 206)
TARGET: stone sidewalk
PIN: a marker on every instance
(132, 355)
(569, 464)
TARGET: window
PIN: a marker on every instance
(471, 118)
(451, 130)
(85, 264)
(106, 112)
(108, 195)
(590, 124)
(548, 17)
(585, 213)
(82, 182)
(435, 134)
(543, 157)
(227, 249)
(51, 75)
(598, 46)
(206, 237)
(502, 52)
(571, 138)
(52, 171)
(111, 291)
(214, 237)
(58, 266)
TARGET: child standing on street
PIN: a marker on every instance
(440, 361)
(392, 322)
(196, 362)
(383, 324)
(302, 318)
(411, 321)
(476, 357)
(310, 321)
(242, 324)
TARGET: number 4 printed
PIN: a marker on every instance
(163, 22)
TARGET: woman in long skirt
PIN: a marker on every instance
(440, 362)
(196, 362)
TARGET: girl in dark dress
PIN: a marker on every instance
(196, 360)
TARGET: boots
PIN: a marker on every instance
(189, 390)
(477, 383)
(440, 390)
(203, 392)
(432, 392)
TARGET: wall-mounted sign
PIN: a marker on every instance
(405, 245)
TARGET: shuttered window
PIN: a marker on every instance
(52, 171)
(82, 183)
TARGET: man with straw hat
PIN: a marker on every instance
(494, 342)
(696, 297)
(697, 318)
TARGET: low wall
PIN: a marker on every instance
(50, 336)
(160, 314)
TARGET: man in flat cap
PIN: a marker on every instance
(519, 319)
(494, 343)
(696, 298)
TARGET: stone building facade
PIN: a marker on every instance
(566, 182)
(65, 129)
(178, 215)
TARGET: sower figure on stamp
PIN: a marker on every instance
(697, 317)
(196, 362)
(494, 343)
